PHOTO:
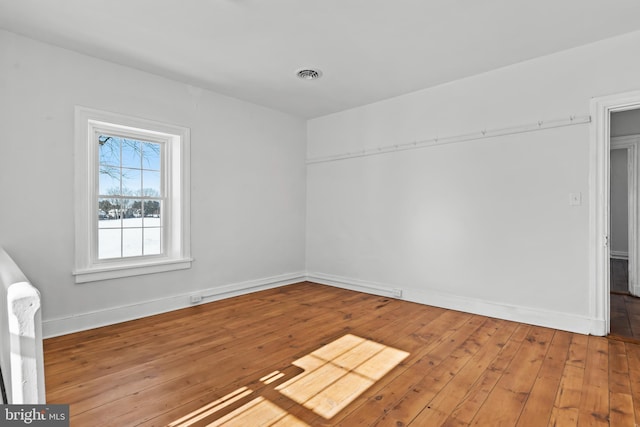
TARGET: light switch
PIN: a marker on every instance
(575, 199)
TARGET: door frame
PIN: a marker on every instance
(599, 150)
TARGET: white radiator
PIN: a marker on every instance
(21, 358)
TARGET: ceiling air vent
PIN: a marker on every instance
(309, 74)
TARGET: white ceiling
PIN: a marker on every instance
(369, 50)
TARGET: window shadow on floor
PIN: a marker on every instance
(321, 383)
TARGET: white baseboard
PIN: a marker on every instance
(352, 284)
(533, 316)
(619, 255)
(110, 316)
(529, 315)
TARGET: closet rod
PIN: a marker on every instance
(539, 125)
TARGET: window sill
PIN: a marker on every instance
(102, 272)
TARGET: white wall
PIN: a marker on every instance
(618, 197)
(247, 175)
(485, 225)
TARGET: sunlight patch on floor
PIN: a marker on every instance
(333, 376)
(212, 408)
(336, 374)
(258, 413)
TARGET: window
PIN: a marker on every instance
(132, 196)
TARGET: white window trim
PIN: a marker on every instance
(177, 186)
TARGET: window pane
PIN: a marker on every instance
(132, 222)
(151, 183)
(136, 209)
(109, 150)
(152, 213)
(125, 208)
(133, 214)
(150, 156)
(131, 242)
(131, 153)
(131, 182)
(109, 180)
(152, 242)
(109, 213)
(109, 243)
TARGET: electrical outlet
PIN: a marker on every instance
(397, 293)
(195, 299)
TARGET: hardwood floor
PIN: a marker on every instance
(625, 316)
(222, 363)
(619, 275)
(625, 308)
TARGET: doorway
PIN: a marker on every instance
(602, 114)
(619, 219)
(624, 197)
(623, 214)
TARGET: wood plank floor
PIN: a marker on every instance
(625, 316)
(249, 361)
(625, 308)
(619, 275)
